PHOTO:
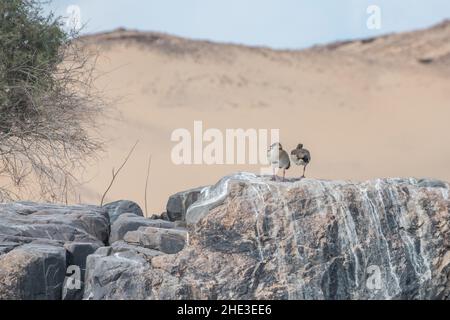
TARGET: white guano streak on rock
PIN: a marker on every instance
(294, 284)
(126, 260)
(383, 205)
(292, 288)
(383, 243)
(212, 195)
(259, 199)
(420, 262)
(274, 190)
(349, 240)
(259, 206)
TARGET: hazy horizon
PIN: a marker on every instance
(284, 24)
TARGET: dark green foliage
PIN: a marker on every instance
(30, 51)
(47, 103)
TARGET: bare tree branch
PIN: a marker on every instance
(146, 184)
(116, 173)
(48, 105)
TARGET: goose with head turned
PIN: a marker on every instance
(301, 157)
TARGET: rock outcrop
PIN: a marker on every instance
(164, 240)
(131, 222)
(249, 237)
(178, 204)
(34, 271)
(44, 248)
(117, 208)
(39, 242)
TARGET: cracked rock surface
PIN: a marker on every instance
(39, 241)
(252, 238)
(246, 237)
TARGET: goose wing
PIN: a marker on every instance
(285, 163)
(306, 156)
(300, 156)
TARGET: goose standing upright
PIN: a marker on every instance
(278, 158)
(301, 157)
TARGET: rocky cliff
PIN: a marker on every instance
(247, 237)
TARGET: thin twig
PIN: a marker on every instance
(146, 184)
(66, 191)
(115, 173)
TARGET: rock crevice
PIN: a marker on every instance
(247, 237)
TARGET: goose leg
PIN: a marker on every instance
(284, 174)
(304, 170)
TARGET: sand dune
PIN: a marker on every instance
(371, 108)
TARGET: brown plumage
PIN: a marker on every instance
(301, 157)
(278, 158)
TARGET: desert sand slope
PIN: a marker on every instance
(365, 109)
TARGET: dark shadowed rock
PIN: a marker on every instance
(76, 255)
(162, 216)
(180, 224)
(56, 222)
(165, 240)
(69, 294)
(112, 268)
(39, 241)
(33, 272)
(131, 222)
(433, 183)
(122, 246)
(180, 202)
(249, 238)
(252, 238)
(6, 247)
(165, 216)
(117, 208)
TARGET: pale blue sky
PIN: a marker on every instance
(274, 23)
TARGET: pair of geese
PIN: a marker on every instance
(280, 158)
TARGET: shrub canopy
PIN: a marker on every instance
(47, 104)
(29, 56)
